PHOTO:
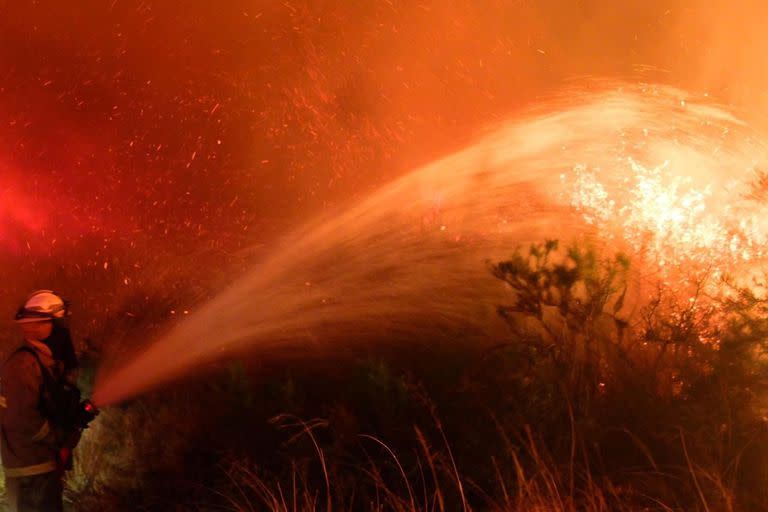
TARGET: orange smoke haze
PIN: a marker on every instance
(174, 135)
(281, 106)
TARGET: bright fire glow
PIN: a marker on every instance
(665, 217)
(18, 218)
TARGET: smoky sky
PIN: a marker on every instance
(139, 131)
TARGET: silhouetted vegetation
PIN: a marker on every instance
(582, 406)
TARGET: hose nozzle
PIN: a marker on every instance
(88, 413)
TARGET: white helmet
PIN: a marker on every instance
(42, 306)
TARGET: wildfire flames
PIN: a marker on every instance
(671, 221)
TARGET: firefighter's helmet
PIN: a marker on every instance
(42, 306)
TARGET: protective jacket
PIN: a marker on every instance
(28, 443)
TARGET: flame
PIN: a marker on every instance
(669, 220)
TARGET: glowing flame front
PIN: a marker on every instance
(670, 221)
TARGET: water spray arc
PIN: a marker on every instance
(577, 168)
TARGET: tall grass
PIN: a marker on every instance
(543, 487)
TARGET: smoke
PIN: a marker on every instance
(149, 132)
(214, 114)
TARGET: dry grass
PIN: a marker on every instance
(544, 487)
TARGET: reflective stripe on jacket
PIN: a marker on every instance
(27, 442)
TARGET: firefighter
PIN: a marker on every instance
(33, 446)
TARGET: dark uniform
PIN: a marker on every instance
(29, 446)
